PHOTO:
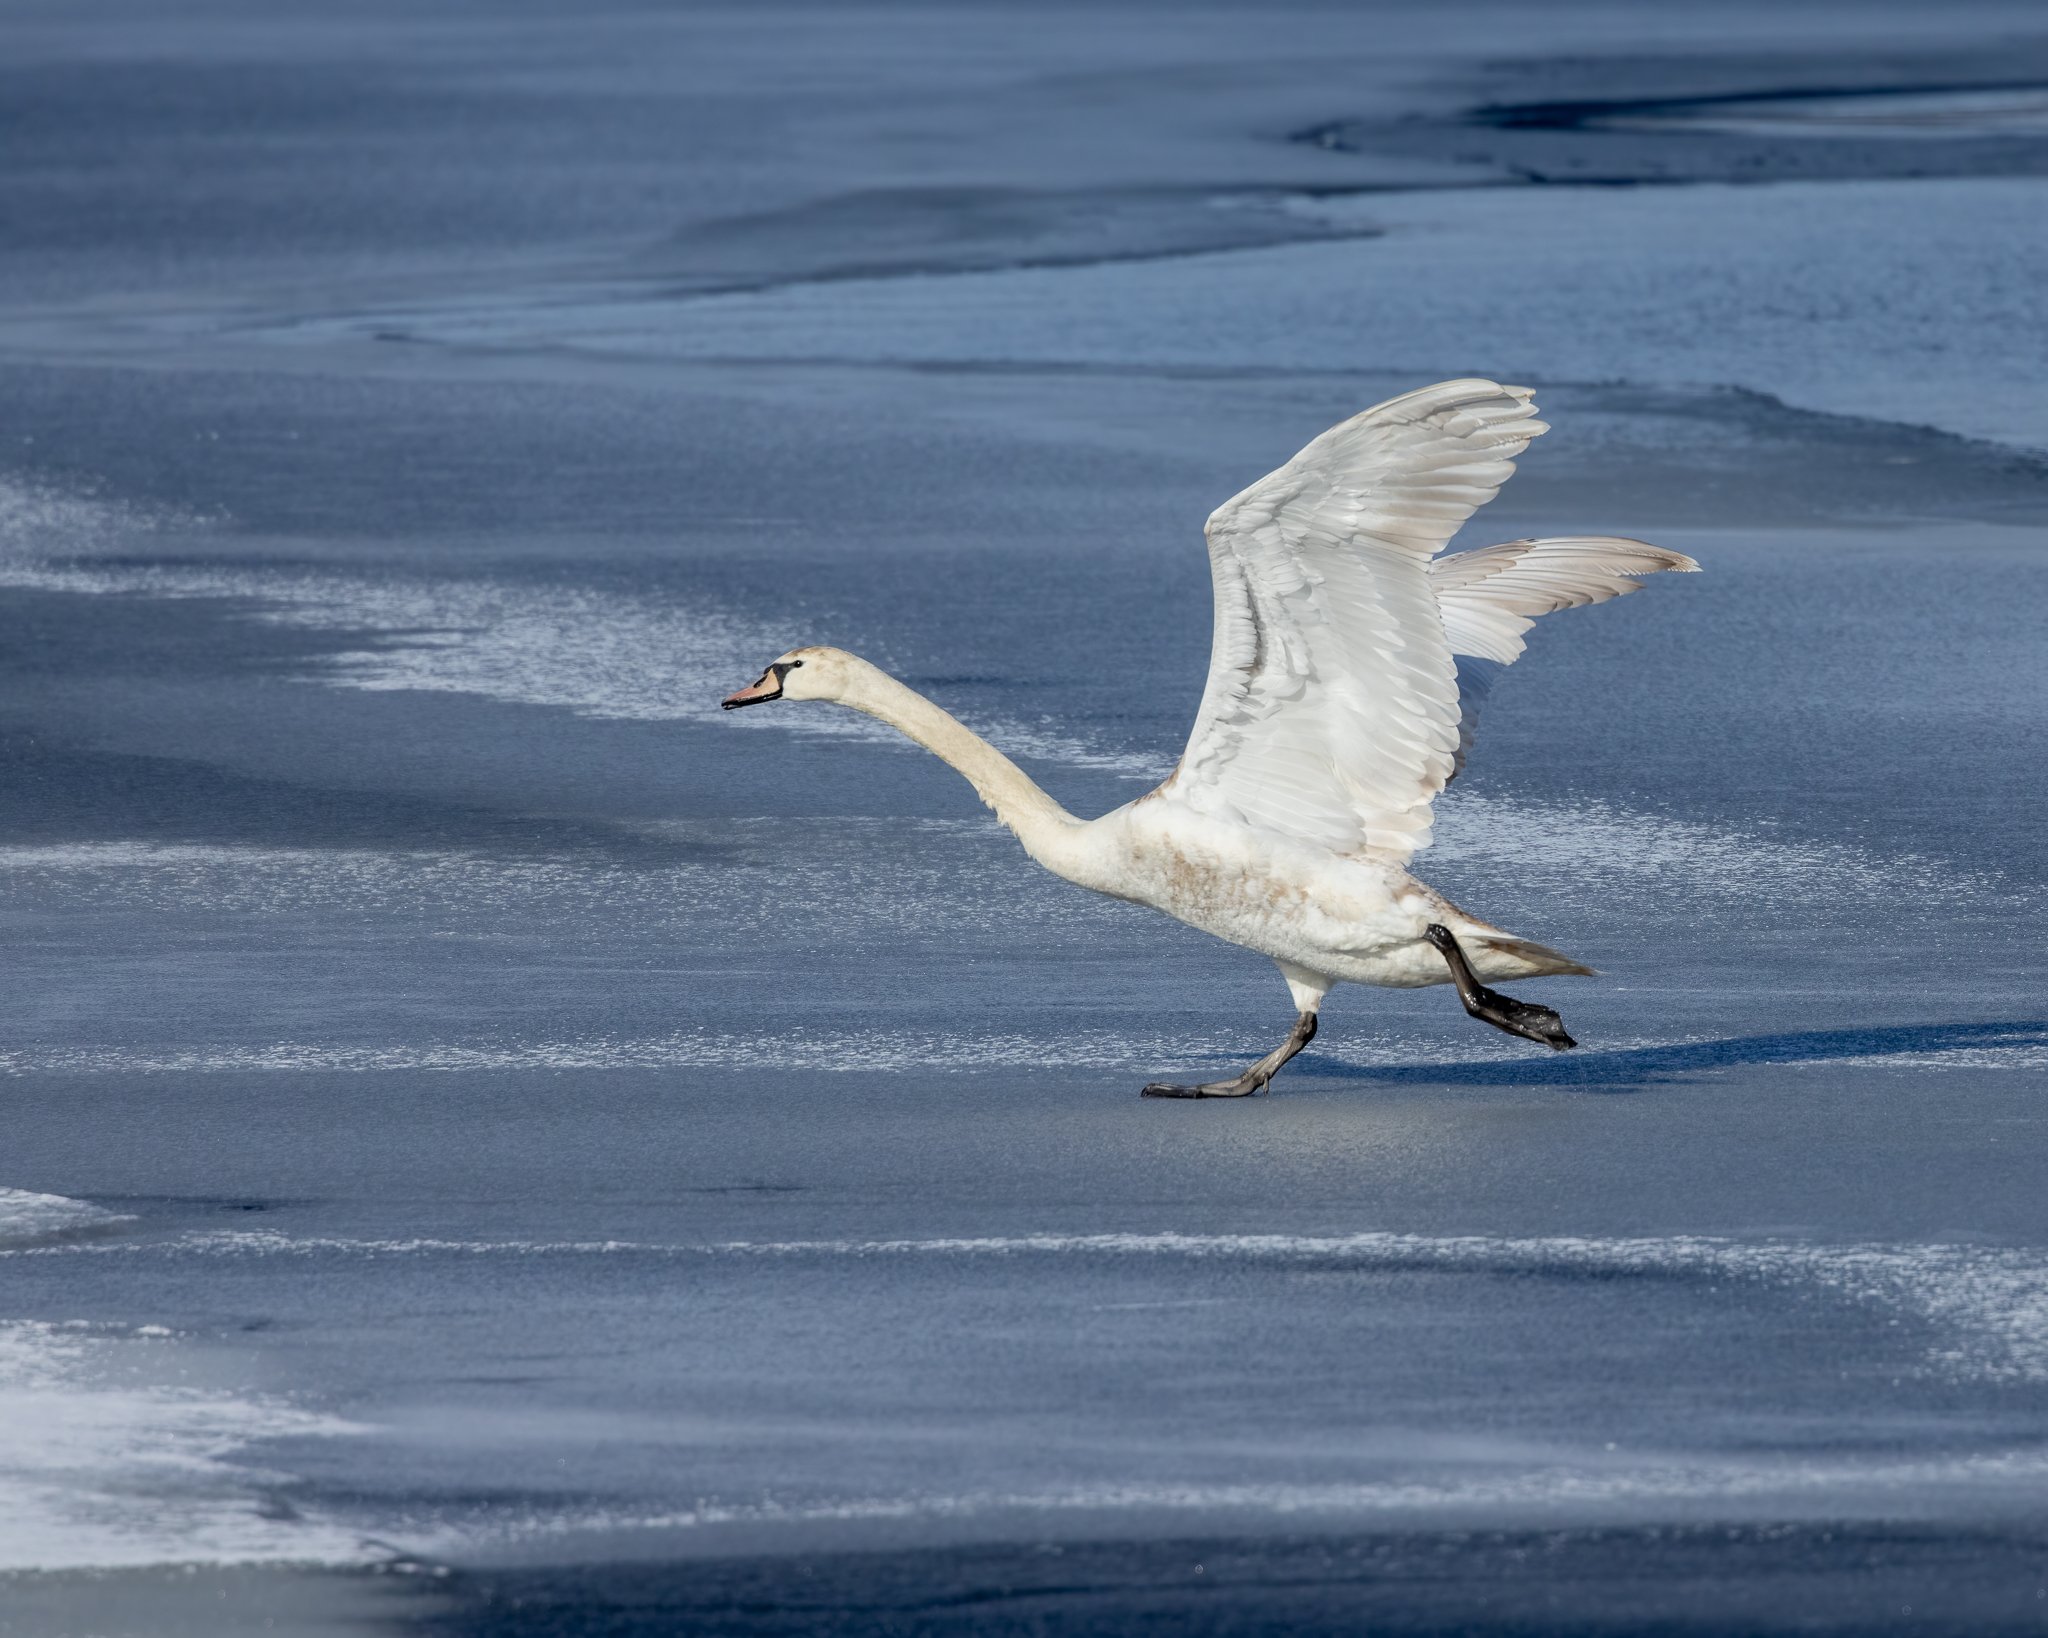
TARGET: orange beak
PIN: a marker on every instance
(768, 688)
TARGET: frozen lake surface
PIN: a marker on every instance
(496, 1147)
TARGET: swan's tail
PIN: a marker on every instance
(1495, 954)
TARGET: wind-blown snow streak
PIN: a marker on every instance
(594, 652)
(1860, 1488)
(853, 1050)
(876, 1051)
(1593, 844)
(1589, 849)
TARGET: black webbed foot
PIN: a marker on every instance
(1255, 1079)
(1522, 1018)
(1503, 1012)
(1242, 1087)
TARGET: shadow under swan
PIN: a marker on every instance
(2006, 1044)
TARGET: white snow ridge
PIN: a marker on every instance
(27, 1218)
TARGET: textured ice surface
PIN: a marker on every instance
(1796, 290)
(589, 651)
(536, 1105)
(1989, 1305)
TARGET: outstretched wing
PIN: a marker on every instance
(1331, 711)
(1491, 596)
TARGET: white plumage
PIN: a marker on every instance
(1331, 717)
(1491, 596)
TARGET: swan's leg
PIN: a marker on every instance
(1253, 1079)
(1523, 1018)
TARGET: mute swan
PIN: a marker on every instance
(1331, 718)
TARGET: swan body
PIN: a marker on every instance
(1335, 710)
(1323, 917)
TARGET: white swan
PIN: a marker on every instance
(1331, 719)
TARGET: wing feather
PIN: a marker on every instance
(1331, 710)
(1491, 596)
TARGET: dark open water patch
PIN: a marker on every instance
(1760, 1579)
(1777, 117)
(2017, 107)
(871, 233)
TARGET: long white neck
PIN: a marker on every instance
(1044, 827)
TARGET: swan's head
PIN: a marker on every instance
(801, 674)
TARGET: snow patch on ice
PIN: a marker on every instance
(27, 1218)
(106, 1460)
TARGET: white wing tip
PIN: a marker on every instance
(1666, 560)
(1660, 558)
